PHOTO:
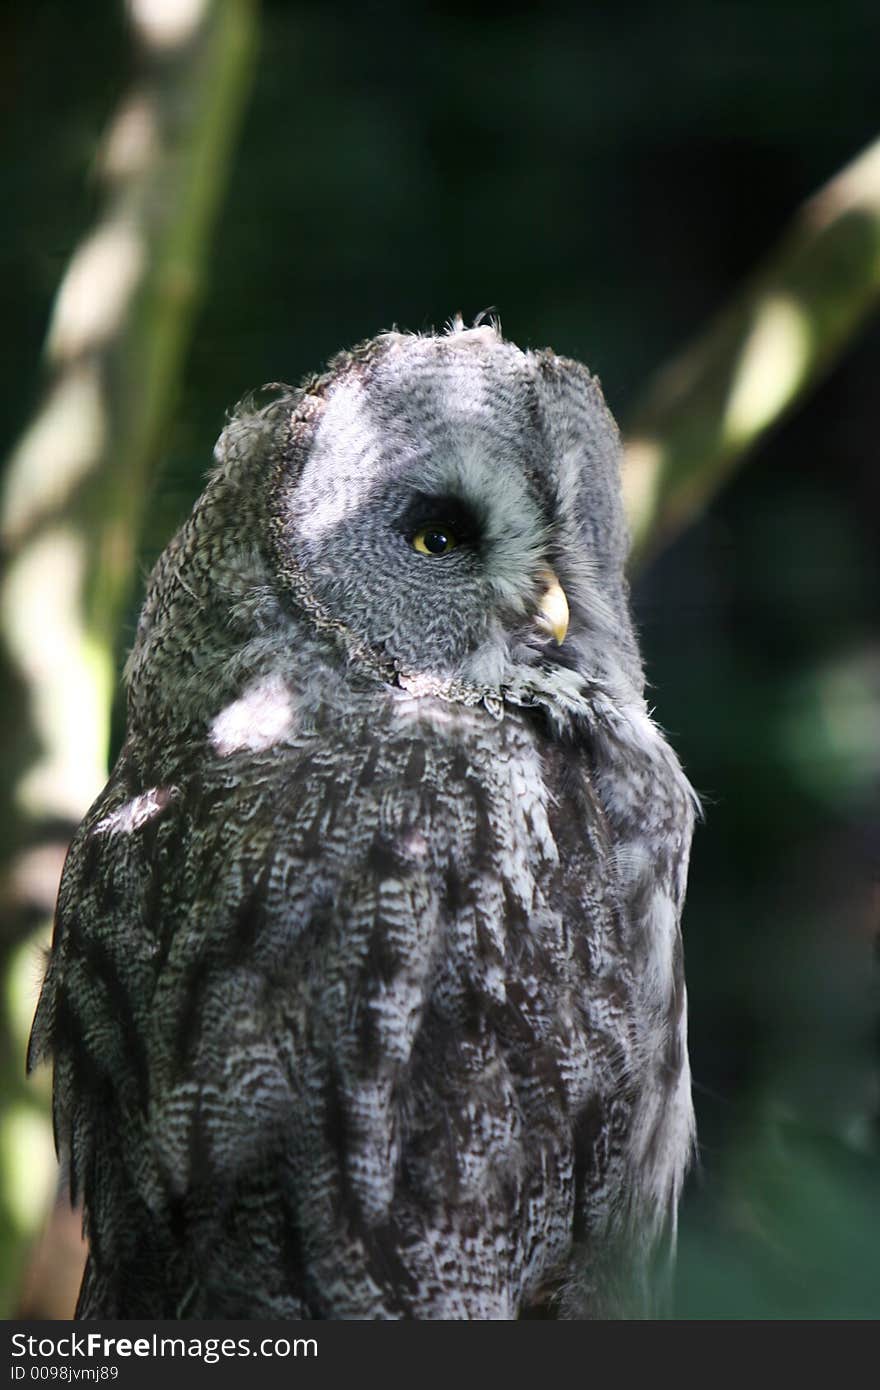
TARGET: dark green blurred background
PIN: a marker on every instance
(605, 176)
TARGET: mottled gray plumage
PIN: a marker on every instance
(366, 996)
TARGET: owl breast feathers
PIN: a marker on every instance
(366, 994)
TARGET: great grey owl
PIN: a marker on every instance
(366, 994)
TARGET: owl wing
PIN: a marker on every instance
(93, 1021)
(290, 1076)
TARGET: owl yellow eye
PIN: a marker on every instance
(434, 540)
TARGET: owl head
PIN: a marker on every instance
(444, 507)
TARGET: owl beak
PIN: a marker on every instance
(552, 615)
